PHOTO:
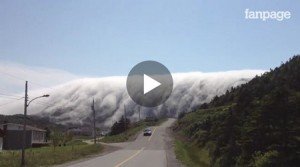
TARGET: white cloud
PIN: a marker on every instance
(70, 99)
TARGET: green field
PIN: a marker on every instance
(47, 156)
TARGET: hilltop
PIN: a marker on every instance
(32, 120)
(254, 124)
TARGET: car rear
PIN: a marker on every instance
(147, 132)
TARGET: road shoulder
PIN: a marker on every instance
(107, 150)
(172, 161)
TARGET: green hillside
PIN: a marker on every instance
(255, 124)
(32, 120)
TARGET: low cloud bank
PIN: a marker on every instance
(70, 103)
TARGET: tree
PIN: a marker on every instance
(261, 126)
(66, 138)
(56, 138)
(120, 126)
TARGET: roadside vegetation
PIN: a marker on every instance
(254, 125)
(47, 156)
(121, 134)
(191, 155)
(188, 146)
(62, 149)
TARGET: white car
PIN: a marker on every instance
(147, 132)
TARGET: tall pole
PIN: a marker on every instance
(139, 113)
(94, 120)
(125, 117)
(24, 125)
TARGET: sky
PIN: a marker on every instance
(107, 38)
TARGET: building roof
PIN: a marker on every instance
(27, 127)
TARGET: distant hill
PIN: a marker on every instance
(255, 124)
(32, 120)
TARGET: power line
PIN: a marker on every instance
(9, 91)
(5, 97)
(36, 102)
(22, 79)
(12, 76)
(43, 103)
(9, 102)
(9, 95)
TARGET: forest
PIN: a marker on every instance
(254, 124)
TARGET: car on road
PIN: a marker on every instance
(147, 132)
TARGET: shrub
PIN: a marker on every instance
(266, 159)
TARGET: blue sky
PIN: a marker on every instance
(108, 37)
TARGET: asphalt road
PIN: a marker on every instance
(145, 151)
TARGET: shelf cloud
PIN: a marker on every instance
(70, 99)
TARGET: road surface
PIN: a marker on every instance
(145, 151)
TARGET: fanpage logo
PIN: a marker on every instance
(267, 15)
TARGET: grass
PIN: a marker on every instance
(76, 142)
(190, 155)
(188, 134)
(47, 156)
(131, 132)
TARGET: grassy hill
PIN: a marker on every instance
(255, 124)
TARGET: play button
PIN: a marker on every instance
(149, 83)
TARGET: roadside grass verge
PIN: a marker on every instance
(190, 155)
(191, 147)
(48, 156)
(131, 133)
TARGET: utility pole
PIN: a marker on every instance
(139, 113)
(94, 120)
(125, 117)
(24, 125)
(26, 104)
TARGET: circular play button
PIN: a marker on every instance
(149, 83)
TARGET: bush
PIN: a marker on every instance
(120, 126)
(266, 159)
(181, 115)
